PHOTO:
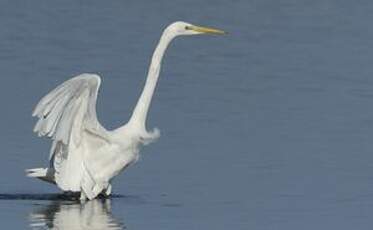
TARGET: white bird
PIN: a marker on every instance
(84, 156)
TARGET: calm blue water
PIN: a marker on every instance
(267, 128)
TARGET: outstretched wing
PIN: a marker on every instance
(65, 114)
(73, 103)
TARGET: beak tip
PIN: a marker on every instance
(221, 32)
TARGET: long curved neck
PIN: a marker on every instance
(140, 112)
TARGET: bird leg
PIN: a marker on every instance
(83, 196)
(108, 190)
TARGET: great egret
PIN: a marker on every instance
(84, 156)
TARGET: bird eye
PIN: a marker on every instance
(187, 27)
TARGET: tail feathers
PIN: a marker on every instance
(45, 174)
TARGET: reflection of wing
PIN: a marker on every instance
(66, 114)
(92, 215)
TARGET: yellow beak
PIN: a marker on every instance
(206, 30)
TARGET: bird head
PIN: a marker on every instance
(184, 28)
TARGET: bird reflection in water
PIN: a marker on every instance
(61, 215)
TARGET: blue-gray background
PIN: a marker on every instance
(269, 127)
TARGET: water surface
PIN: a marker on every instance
(269, 127)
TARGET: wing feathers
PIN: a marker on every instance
(64, 114)
(58, 109)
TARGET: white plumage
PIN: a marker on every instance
(84, 156)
